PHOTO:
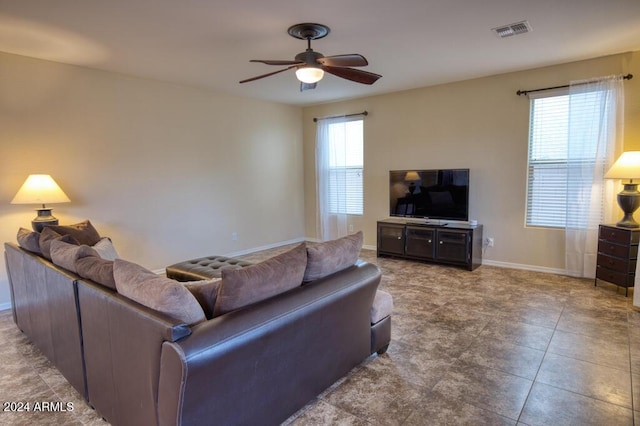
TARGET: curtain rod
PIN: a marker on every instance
(315, 119)
(524, 92)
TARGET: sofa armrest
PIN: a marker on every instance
(260, 364)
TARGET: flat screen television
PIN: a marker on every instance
(441, 194)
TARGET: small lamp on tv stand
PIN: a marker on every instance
(412, 177)
(41, 189)
(627, 167)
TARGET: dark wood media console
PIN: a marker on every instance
(453, 244)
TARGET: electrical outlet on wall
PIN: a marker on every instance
(351, 227)
(234, 236)
(488, 241)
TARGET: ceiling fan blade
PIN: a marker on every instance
(358, 76)
(307, 86)
(350, 60)
(275, 62)
(267, 75)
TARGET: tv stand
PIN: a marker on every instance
(453, 244)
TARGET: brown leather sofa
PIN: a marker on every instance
(256, 365)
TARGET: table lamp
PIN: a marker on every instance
(41, 189)
(412, 177)
(627, 166)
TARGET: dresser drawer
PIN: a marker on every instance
(622, 236)
(617, 250)
(617, 264)
(618, 278)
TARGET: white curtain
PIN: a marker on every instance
(595, 138)
(331, 224)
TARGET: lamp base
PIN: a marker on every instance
(629, 201)
(44, 218)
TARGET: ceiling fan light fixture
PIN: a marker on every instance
(309, 75)
(310, 66)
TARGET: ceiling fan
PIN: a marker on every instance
(310, 66)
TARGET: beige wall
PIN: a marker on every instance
(479, 124)
(168, 172)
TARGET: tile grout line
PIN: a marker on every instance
(533, 383)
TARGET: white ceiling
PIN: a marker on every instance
(412, 43)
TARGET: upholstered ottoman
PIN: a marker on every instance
(203, 268)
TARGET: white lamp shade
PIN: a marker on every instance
(412, 176)
(627, 166)
(40, 189)
(309, 75)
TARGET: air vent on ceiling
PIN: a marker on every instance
(512, 29)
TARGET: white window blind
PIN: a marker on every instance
(346, 164)
(553, 171)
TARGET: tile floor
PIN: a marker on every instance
(494, 346)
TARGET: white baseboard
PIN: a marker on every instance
(5, 306)
(266, 247)
(524, 267)
(163, 271)
(316, 240)
(496, 263)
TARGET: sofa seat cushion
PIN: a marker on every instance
(382, 306)
(203, 268)
(327, 258)
(83, 232)
(245, 286)
(156, 292)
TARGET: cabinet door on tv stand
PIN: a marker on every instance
(391, 239)
(453, 246)
(420, 242)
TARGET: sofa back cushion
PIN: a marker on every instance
(65, 254)
(243, 287)
(206, 293)
(96, 269)
(47, 236)
(106, 249)
(83, 232)
(29, 240)
(156, 292)
(327, 258)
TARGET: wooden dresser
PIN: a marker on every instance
(617, 255)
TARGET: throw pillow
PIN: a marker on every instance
(47, 236)
(105, 249)
(65, 254)
(29, 240)
(327, 258)
(206, 293)
(83, 232)
(156, 292)
(242, 287)
(96, 269)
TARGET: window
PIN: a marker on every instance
(555, 173)
(345, 163)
